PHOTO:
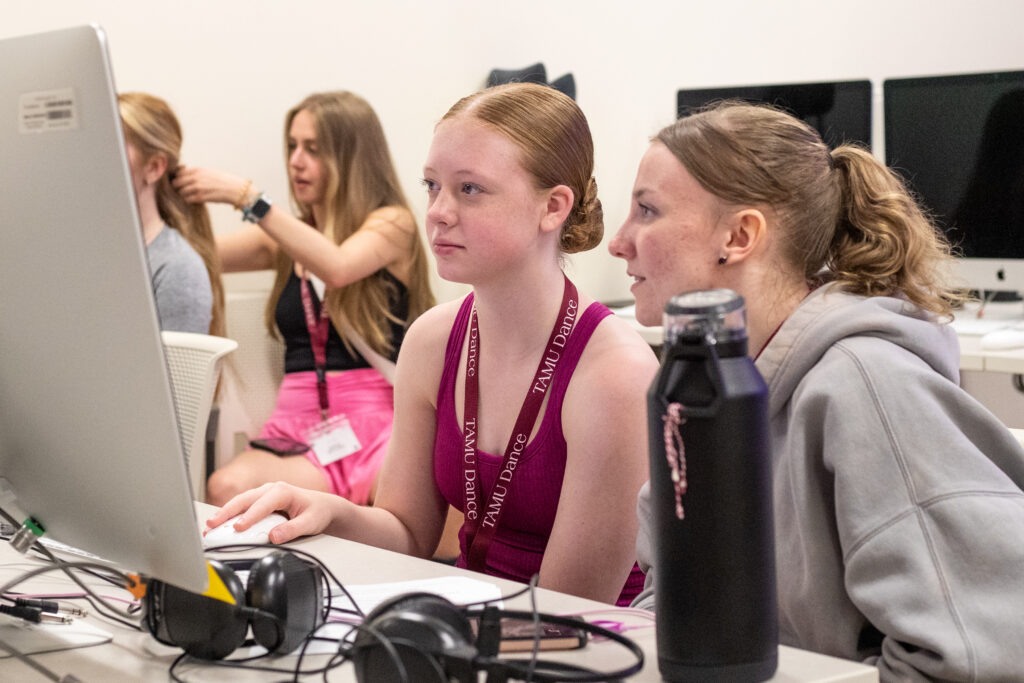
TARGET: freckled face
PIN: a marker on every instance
(483, 211)
(668, 239)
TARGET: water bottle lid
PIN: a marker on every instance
(718, 314)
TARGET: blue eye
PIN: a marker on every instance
(644, 211)
(429, 184)
(470, 188)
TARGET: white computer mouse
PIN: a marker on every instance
(225, 534)
(1004, 339)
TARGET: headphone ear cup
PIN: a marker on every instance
(289, 590)
(204, 627)
(432, 636)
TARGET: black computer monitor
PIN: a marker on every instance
(959, 142)
(839, 110)
(89, 443)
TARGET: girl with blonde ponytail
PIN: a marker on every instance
(898, 505)
(183, 259)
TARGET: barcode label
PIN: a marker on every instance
(46, 111)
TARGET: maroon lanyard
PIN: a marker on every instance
(483, 520)
(318, 331)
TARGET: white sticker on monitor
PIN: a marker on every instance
(47, 110)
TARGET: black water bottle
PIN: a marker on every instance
(711, 497)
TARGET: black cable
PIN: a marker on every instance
(326, 572)
(388, 646)
(326, 576)
(66, 568)
(550, 671)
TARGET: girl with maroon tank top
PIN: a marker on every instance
(520, 540)
(520, 405)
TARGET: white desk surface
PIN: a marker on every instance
(972, 356)
(134, 656)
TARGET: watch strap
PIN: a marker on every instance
(256, 209)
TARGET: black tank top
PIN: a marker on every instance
(291, 321)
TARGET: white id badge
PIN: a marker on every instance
(333, 440)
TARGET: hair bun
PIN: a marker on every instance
(584, 227)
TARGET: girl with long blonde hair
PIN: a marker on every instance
(183, 260)
(354, 246)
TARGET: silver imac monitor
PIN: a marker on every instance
(89, 443)
(959, 141)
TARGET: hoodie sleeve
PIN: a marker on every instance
(929, 514)
(645, 549)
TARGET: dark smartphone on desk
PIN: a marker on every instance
(279, 445)
(517, 635)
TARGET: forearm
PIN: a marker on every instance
(305, 245)
(374, 526)
(593, 567)
(246, 249)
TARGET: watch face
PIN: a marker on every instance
(260, 208)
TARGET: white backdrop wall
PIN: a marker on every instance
(231, 68)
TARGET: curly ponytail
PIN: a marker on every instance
(843, 215)
(884, 242)
(584, 226)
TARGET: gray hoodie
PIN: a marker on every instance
(899, 515)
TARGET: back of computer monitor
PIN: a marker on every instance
(88, 437)
(839, 110)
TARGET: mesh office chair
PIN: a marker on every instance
(194, 361)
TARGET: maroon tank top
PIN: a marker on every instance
(529, 515)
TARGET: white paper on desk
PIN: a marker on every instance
(459, 589)
(36, 638)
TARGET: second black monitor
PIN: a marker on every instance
(839, 110)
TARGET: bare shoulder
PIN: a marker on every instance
(433, 325)
(615, 370)
(423, 349)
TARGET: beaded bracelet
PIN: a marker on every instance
(240, 202)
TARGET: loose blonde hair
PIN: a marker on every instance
(554, 138)
(151, 127)
(844, 214)
(361, 178)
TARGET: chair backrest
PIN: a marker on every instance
(194, 361)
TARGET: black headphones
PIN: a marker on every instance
(282, 601)
(423, 637)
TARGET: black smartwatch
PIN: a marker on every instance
(257, 210)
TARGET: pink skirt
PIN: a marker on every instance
(365, 397)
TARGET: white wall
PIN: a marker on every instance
(231, 68)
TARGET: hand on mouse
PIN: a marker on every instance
(309, 512)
